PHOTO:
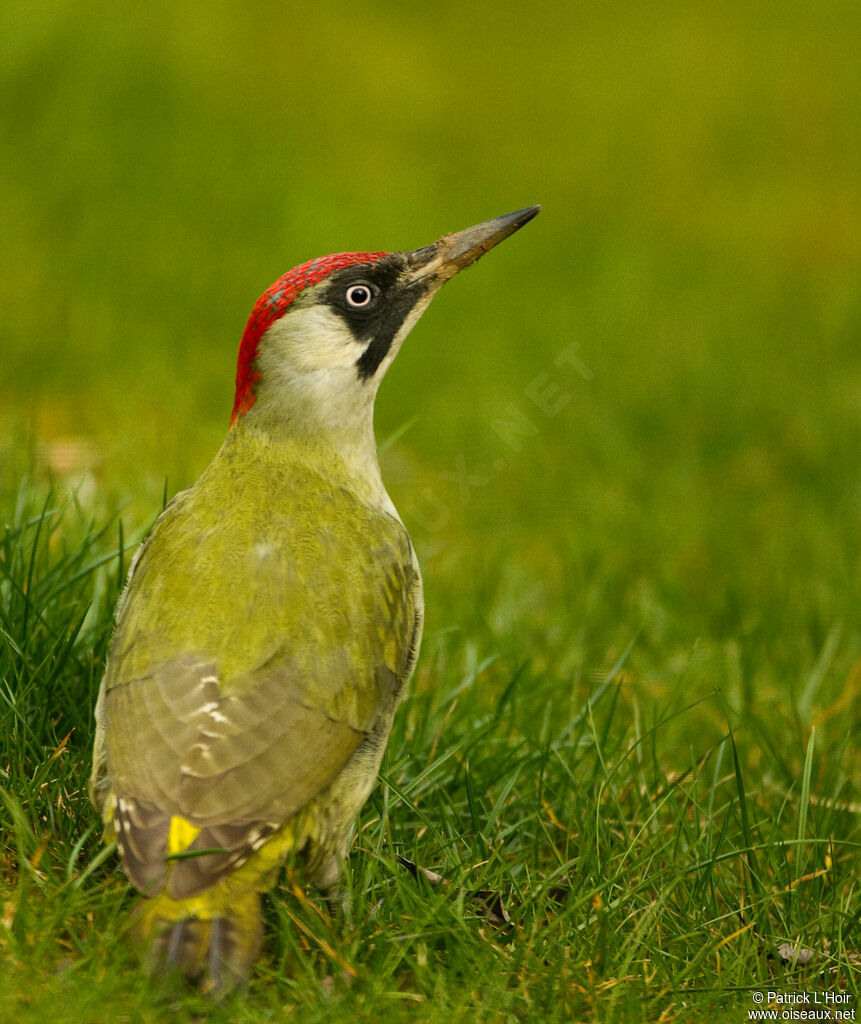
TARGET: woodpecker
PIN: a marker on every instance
(270, 621)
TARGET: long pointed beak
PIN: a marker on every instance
(441, 260)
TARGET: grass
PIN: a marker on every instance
(537, 847)
(626, 447)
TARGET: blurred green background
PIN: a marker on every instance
(643, 411)
(626, 446)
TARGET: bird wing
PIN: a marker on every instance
(244, 675)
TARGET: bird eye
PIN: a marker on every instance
(359, 295)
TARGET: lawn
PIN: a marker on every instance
(625, 784)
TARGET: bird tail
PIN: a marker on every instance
(212, 948)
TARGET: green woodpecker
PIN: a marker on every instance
(270, 620)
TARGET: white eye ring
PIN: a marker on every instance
(359, 295)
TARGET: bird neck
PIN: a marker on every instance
(340, 460)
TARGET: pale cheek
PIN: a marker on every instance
(318, 339)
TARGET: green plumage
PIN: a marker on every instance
(269, 624)
(271, 619)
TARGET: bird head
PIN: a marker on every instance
(320, 339)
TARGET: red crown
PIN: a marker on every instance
(271, 306)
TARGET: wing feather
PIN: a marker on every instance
(237, 749)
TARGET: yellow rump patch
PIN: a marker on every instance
(182, 834)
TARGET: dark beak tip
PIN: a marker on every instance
(468, 246)
(452, 253)
(527, 213)
(508, 223)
